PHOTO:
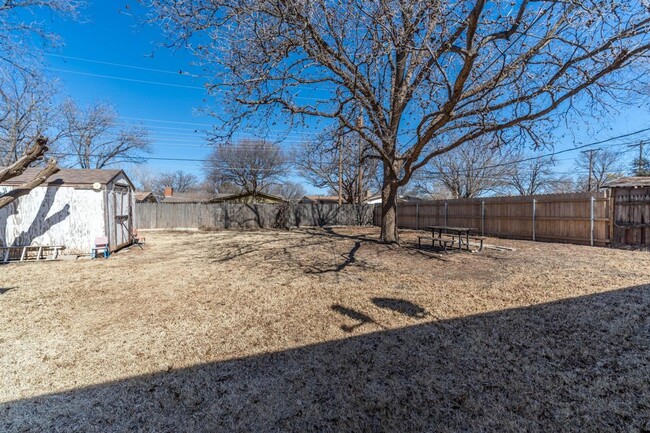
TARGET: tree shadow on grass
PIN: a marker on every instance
(331, 232)
(348, 259)
(401, 306)
(573, 365)
(290, 247)
(359, 317)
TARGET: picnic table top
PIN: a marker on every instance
(456, 229)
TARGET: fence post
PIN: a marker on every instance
(534, 215)
(591, 220)
(417, 216)
(446, 212)
(482, 218)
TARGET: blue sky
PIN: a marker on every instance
(148, 87)
(111, 57)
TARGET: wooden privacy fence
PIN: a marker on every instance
(582, 218)
(217, 216)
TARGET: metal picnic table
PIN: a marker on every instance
(458, 231)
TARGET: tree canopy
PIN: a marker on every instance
(424, 76)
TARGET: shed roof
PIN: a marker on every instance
(67, 177)
(629, 182)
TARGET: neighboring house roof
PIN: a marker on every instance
(189, 197)
(220, 198)
(373, 199)
(376, 199)
(320, 199)
(410, 198)
(629, 182)
(68, 177)
(141, 196)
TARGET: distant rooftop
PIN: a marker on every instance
(629, 182)
(190, 197)
(320, 199)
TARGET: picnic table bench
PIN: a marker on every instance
(446, 236)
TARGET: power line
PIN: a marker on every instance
(190, 130)
(277, 131)
(133, 80)
(165, 121)
(163, 71)
(584, 146)
(203, 160)
(159, 83)
(122, 65)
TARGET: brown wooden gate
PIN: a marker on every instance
(631, 216)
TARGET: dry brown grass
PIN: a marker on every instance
(315, 330)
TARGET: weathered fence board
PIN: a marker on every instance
(576, 218)
(218, 216)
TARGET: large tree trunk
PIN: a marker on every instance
(389, 207)
(34, 153)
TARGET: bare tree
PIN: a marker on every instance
(292, 191)
(143, 177)
(179, 180)
(425, 76)
(221, 186)
(468, 171)
(598, 166)
(252, 165)
(95, 141)
(335, 161)
(27, 111)
(531, 175)
(563, 185)
(15, 31)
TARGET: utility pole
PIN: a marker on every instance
(641, 155)
(591, 153)
(360, 171)
(640, 169)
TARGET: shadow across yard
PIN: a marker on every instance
(579, 364)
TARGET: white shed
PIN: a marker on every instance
(71, 209)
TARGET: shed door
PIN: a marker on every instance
(122, 211)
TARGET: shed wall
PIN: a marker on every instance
(53, 215)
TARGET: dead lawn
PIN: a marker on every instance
(326, 330)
